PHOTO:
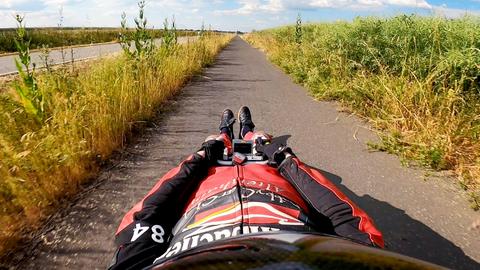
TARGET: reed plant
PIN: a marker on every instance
(30, 96)
(416, 79)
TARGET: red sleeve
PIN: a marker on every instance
(145, 230)
(347, 218)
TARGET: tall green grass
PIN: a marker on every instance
(415, 78)
(91, 112)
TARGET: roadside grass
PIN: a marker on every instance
(91, 112)
(64, 36)
(416, 79)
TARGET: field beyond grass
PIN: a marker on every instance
(416, 79)
(60, 36)
(90, 112)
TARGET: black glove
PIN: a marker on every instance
(213, 150)
(275, 149)
(277, 155)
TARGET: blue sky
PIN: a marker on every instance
(243, 15)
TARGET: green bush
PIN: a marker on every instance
(415, 78)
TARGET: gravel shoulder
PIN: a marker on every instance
(425, 218)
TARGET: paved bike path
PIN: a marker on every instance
(430, 219)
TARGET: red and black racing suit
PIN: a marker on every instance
(195, 204)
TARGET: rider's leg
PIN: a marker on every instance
(226, 123)
(246, 123)
(227, 141)
(248, 135)
(226, 128)
(247, 126)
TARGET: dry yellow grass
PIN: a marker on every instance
(90, 113)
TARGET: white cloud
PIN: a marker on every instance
(251, 6)
(8, 4)
(275, 6)
(409, 3)
(451, 13)
(54, 2)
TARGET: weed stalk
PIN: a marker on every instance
(30, 95)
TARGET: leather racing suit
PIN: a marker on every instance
(196, 203)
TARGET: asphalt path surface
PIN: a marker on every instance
(425, 218)
(57, 56)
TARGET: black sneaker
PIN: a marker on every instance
(227, 122)
(246, 123)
